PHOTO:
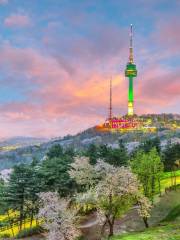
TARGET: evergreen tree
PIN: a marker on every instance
(55, 176)
(171, 155)
(92, 153)
(21, 191)
(104, 151)
(2, 190)
(151, 143)
(34, 187)
(55, 151)
(117, 156)
(16, 192)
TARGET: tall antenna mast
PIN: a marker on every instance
(131, 45)
(110, 99)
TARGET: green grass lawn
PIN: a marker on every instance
(167, 232)
(166, 180)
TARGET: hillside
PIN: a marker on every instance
(24, 149)
(167, 231)
(21, 141)
(164, 220)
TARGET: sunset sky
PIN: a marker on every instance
(57, 56)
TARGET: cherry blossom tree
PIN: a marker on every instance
(83, 172)
(144, 208)
(59, 219)
(115, 192)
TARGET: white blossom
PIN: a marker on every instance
(144, 207)
(82, 171)
(116, 190)
(58, 219)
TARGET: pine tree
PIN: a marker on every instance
(16, 191)
(55, 176)
(92, 153)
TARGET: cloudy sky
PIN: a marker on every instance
(57, 56)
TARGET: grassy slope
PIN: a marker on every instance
(173, 214)
(167, 232)
(164, 206)
(168, 212)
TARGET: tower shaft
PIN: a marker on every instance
(130, 98)
(130, 92)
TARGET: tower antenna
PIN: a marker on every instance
(110, 99)
(131, 45)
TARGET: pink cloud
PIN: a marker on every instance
(69, 97)
(17, 20)
(168, 35)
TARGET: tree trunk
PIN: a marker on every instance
(103, 228)
(145, 222)
(21, 218)
(32, 215)
(152, 189)
(24, 222)
(10, 223)
(37, 222)
(21, 211)
(174, 171)
(159, 185)
(111, 229)
(171, 178)
(110, 219)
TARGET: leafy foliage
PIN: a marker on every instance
(171, 157)
(115, 156)
(151, 143)
(149, 168)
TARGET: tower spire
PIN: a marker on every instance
(131, 45)
(110, 99)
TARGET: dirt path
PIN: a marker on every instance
(91, 228)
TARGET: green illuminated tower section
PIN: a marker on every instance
(131, 72)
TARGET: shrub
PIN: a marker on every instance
(28, 232)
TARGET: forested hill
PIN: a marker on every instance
(12, 154)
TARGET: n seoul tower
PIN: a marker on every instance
(131, 72)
